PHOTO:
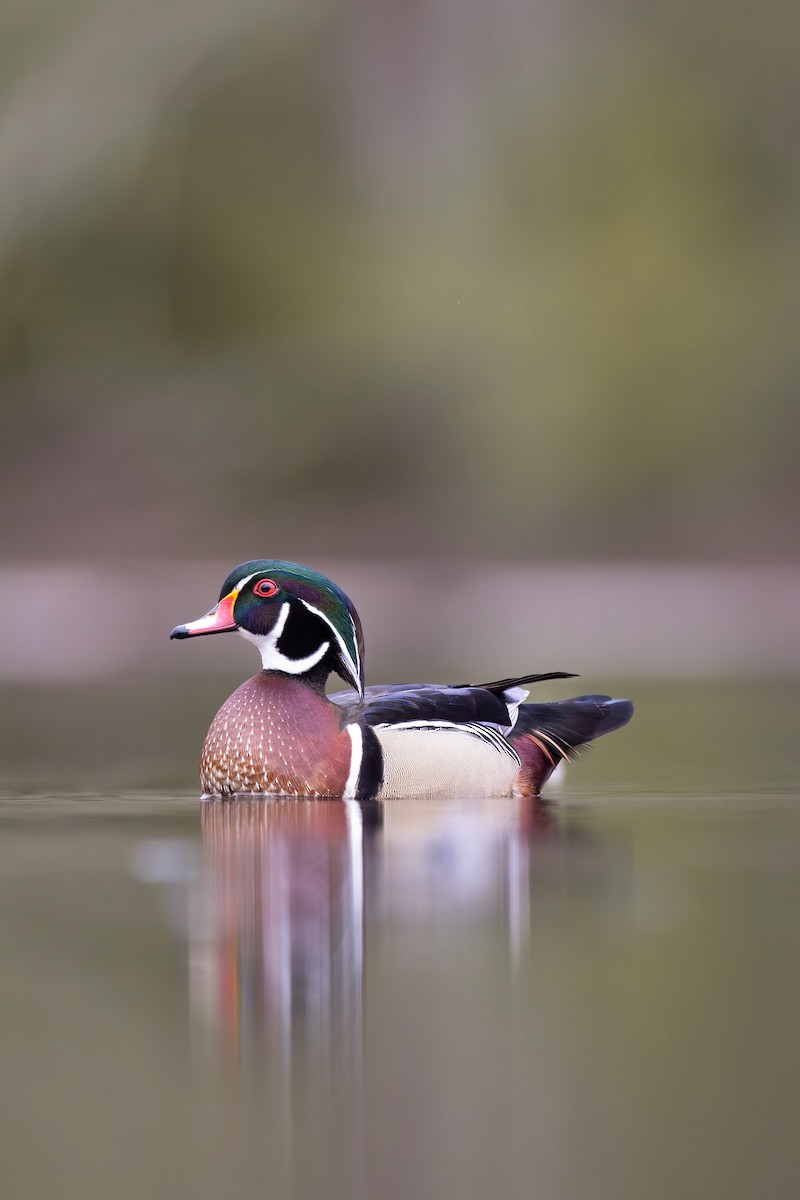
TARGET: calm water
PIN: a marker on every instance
(595, 997)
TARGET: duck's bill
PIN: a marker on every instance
(219, 620)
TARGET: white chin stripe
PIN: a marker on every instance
(271, 657)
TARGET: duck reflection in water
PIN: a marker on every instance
(288, 887)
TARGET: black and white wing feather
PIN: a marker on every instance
(493, 707)
(403, 703)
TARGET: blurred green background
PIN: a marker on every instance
(380, 280)
(488, 311)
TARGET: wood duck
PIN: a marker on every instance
(280, 734)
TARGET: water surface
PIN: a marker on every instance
(596, 996)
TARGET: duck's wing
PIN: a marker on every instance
(400, 703)
(397, 704)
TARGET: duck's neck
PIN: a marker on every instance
(293, 704)
(313, 680)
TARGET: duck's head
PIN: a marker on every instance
(300, 620)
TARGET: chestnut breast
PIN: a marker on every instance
(275, 734)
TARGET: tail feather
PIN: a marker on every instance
(500, 685)
(547, 734)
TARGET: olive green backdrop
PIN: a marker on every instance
(371, 279)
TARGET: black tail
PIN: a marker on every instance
(546, 734)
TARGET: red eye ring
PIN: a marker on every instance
(266, 588)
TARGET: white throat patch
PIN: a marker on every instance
(271, 657)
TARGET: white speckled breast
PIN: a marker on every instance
(274, 735)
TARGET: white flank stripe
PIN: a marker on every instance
(357, 738)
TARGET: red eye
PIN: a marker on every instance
(266, 588)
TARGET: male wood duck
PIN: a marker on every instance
(280, 734)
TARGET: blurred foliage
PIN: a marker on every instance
(352, 278)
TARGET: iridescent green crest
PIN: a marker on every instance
(321, 596)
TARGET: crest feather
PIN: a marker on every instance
(321, 596)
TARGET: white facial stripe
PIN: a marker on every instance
(358, 656)
(357, 663)
(271, 657)
(353, 667)
(357, 738)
